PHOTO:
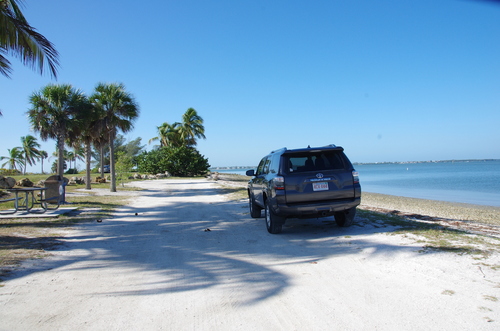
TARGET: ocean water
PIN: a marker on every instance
(475, 182)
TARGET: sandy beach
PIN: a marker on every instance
(184, 255)
(432, 208)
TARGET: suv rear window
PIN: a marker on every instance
(321, 161)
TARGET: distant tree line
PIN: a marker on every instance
(90, 126)
(73, 119)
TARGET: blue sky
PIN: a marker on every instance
(388, 80)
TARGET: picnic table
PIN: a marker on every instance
(26, 198)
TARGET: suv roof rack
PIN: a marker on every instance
(279, 150)
(284, 149)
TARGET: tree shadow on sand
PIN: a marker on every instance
(177, 248)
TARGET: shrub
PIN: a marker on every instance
(9, 172)
(178, 161)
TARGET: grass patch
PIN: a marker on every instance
(31, 238)
(437, 238)
(383, 219)
(241, 179)
(234, 186)
(434, 237)
(490, 298)
(21, 240)
(234, 193)
(491, 266)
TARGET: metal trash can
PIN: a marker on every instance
(55, 190)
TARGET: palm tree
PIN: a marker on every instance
(119, 110)
(79, 152)
(15, 158)
(101, 143)
(70, 156)
(91, 134)
(43, 155)
(56, 114)
(191, 127)
(21, 40)
(30, 150)
(168, 135)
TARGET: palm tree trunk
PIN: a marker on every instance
(60, 156)
(101, 161)
(87, 165)
(60, 166)
(112, 161)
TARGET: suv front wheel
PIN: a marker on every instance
(274, 223)
(255, 210)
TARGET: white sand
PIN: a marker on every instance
(191, 260)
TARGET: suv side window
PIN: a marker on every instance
(275, 163)
(260, 168)
(265, 171)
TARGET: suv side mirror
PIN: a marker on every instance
(250, 172)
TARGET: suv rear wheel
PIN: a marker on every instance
(255, 210)
(274, 223)
(345, 218)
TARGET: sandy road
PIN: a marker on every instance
(190, 260)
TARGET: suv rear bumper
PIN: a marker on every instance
(316, 209)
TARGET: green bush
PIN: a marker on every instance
(178, 161)
(9, 172)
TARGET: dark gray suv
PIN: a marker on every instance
(304, 183)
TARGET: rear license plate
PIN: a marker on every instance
(320, 186)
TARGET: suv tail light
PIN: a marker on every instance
(278, 183)
(355, 177)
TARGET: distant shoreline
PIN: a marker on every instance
(367, 163)
(431, 161)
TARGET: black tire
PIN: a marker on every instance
(345, 218)
(274, 223)
(255, 210)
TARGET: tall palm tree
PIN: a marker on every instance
(191, 127)
(168, 135)
(55, 114)
(30, 150)
(101, 143)
(43, 155)
(91, 134)
(118, 109)
(15, 158)
(79, 152)
(70, 156)
(21, 40)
